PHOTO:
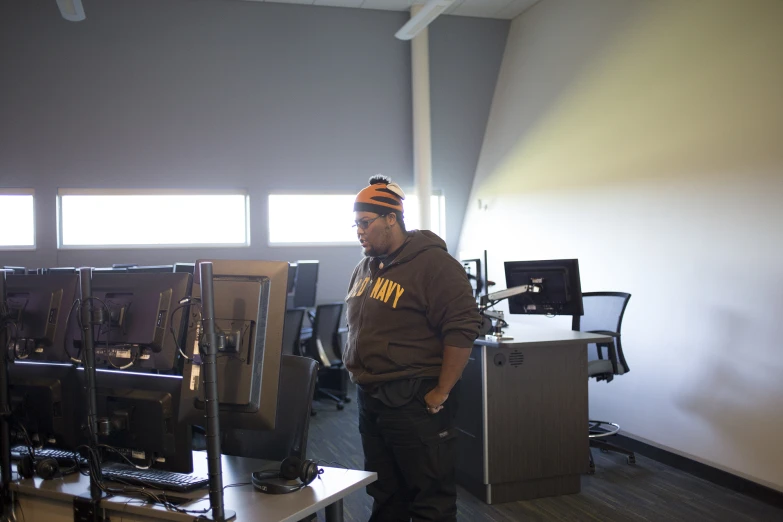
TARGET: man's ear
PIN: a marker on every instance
(394, 216)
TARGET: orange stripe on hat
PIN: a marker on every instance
(380, 197)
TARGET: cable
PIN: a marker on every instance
(194, 302)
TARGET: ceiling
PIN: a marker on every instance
(505, 9)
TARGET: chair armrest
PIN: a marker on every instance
(604, 332)
(611, 348)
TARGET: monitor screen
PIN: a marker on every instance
(136, 322)
(250, 301)
(306, 284)
(45, 401)
(560, 290)
(38, 308)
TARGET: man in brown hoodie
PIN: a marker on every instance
(412, 320)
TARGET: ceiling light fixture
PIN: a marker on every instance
(72, 10)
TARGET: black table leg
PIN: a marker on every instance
(334, 512)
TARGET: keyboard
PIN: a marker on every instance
(63, 458)
(154, 478)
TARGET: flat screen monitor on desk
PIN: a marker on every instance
(137, 418)
(187, 268)
(137, 328)
(559, 287)
(250, 302)
(38, 308)
(306, 284)
(153, 269)
(475, 275)
(44, 400)
(291, 277)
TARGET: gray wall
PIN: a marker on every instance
(644, 138)
(225, 94)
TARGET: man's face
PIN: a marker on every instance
(374, 233)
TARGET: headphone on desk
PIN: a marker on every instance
(46, 468)
(292, 468)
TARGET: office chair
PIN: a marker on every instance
(298, 376)
(292, 331)
(603, 314)
(322, 344)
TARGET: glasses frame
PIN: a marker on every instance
(356, 224)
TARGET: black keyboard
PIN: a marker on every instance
(154, 478)
(63, 458)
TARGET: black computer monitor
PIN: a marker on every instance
(475, 275)
(62, 270)
(306, 284)
(154, 269)
(45, 401)
(291, 278)
(137, 417)
(560, 290)
(136, 321)
(250, 298)
(187, 268)
(39, 306)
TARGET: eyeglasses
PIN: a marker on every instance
(364, 224)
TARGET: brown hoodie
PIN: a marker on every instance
(402, 315)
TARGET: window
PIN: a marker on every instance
(326, 219)
(154, 218)
(17, 219)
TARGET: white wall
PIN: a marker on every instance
(645, 138)
(260, 96)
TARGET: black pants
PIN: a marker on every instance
(413, 453)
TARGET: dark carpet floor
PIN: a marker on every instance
(646, 491)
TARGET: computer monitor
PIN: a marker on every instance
(249, 299)
(291, 277)
(186, 268)
(475, 275)
(156, 269)
(39, 306)
(63, 270)
(560, 290)
(137, 322)
(45, 400)
(137, 416)
(306, 284)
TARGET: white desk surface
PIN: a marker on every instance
(246, 501)
(531, 335)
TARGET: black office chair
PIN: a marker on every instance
(292, 331)
(603, 314)
(298, 376)
(322, 344)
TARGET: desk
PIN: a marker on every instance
(523, 415)
(52, 500)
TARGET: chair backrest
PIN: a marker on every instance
(325, 327)
(603, 312)
(294, 403)
(292, 330)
